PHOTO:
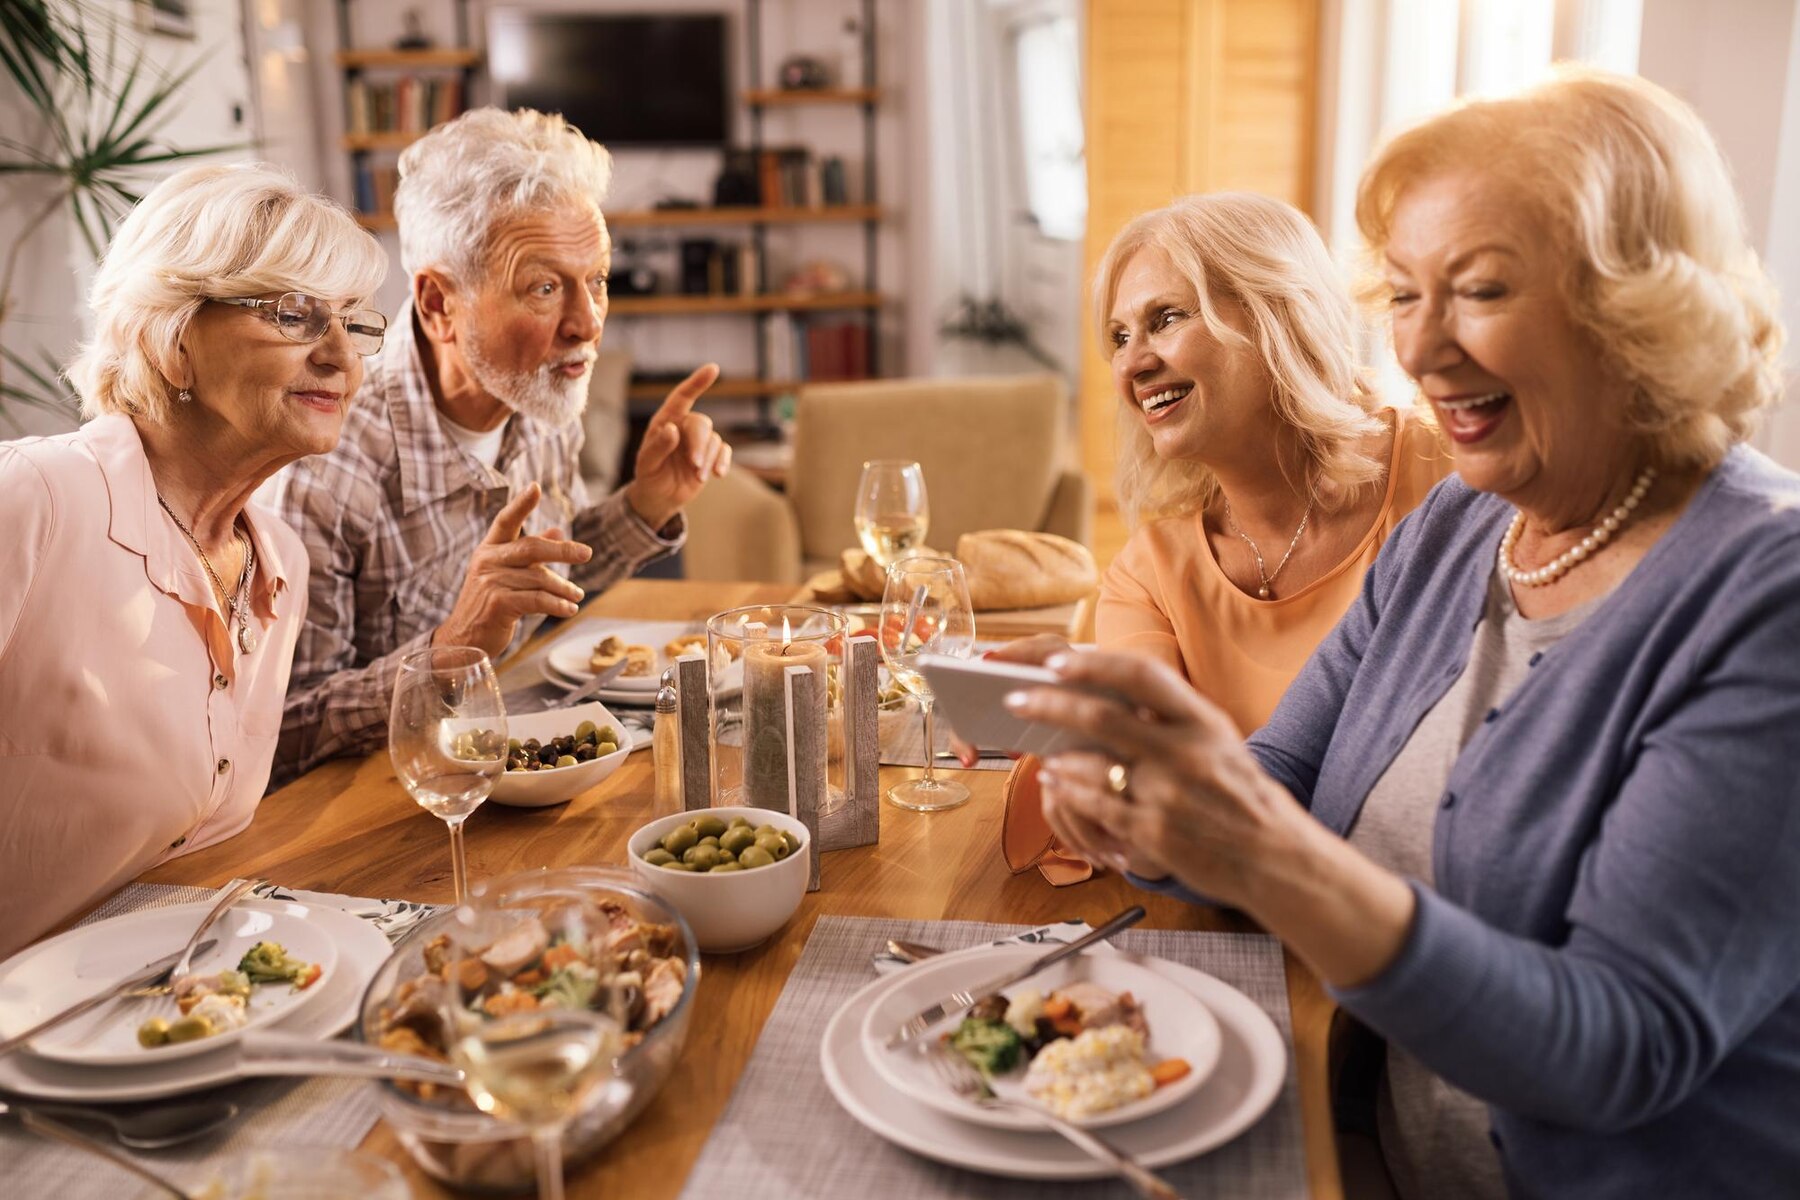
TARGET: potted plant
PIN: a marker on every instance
(98, 107)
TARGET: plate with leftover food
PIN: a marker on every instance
(362, 948)
(647, 648)
(268, 962)
(1097, 1039)
(1249, 1076)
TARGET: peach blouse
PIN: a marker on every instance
(131, 728)
(1166, 595)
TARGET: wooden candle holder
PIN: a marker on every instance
(694, 707)
(857, 822)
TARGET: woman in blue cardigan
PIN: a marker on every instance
(1532, 811)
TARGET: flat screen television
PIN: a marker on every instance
(622, 79)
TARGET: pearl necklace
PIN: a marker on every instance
(1559, 566)
(1267, 577)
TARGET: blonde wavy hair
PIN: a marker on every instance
(227, 231)
(1636, 199)
(1264, 256)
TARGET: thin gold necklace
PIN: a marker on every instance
(237, 603)
(1268, 577)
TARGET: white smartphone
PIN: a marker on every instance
(969, 692)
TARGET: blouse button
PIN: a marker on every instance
(224, 765)
(1449, 800)
(179, 842)
(220, 682)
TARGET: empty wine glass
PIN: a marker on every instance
(521, 1015)
(925, 610)
(892, 511)
(447, 737)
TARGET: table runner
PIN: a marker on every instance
(783, 1135)
(282, 1112)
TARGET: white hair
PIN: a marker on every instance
(209, 231)
(464, 179)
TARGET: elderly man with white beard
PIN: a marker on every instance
(452, 511)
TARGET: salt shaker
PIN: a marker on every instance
(665, 748)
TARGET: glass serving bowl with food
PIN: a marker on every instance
(641, 974)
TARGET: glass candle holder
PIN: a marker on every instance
(748, 653)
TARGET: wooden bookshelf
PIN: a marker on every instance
(455, 57)
(743, 216)
(391, 140)
(676, 306)
(792, 97)
(724, 389)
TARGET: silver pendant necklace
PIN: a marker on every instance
(1266, 577)
(237, 602)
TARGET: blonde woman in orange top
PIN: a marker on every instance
(1257, 468)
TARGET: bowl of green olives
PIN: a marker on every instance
(556, 755)
(735, 874)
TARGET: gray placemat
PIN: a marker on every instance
(335, 1113)
(783, 1136)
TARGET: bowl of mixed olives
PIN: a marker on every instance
(735, 874)
(553, 756)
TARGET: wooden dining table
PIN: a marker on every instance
(349, 827)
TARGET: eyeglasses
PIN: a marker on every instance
(303, 318)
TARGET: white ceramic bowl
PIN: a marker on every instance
(733, 910)
(538, 789)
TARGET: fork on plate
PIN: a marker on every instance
(955, 1072)
(228, 896)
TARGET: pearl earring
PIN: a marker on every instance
(184, 395)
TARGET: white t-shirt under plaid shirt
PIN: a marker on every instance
(391, 518)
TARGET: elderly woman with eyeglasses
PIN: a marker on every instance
(1532, 810)
(148, 612)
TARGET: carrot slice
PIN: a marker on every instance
(1058, 1006)
(1169, 1070)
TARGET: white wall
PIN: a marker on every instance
(1738, 63)
(48, 289)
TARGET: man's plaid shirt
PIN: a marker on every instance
(391, 518)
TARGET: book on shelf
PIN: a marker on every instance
(374, 187)
(835, 351)
(790, 177)
(405, 105)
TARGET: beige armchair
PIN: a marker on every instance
(995, 454)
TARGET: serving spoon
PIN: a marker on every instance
(152, 1128)
(55, 1130)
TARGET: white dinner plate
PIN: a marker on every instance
(1180, 1026)
(64, 970)
(569, 657)
(1251, 1070)
(361, 950)
(606, 695)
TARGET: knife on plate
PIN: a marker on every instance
(588, 689)
(152, 973)
(956, 1002)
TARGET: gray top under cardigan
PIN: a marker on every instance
(1611, 957)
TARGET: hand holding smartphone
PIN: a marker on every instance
(970, 692)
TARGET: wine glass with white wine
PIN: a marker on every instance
(925, 610)
(892, 510)
(536, 1057)
(447, 738)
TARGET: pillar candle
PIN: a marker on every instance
(765, 716)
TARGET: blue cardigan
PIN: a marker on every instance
(1612, 956)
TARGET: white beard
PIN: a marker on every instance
(540, 394)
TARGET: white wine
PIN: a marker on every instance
(889, 538)
(908, 678)
(535, 1068)
(454, 794)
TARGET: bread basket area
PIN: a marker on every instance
(1020, 583)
